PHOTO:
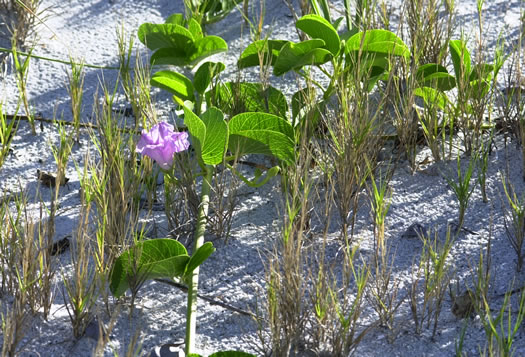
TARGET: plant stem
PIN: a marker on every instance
(198, 241)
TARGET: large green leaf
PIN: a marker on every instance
(197, 130)
(293, 56)
(175, 83)
(265, 50)
(301, 100)
(195, 28)
(317, 27)
(149, 259)
(169, 35)
(206, 72)
(198, 257)
(216, 139)
(176, 19)
(169, 56)
(261, 133)
(460, 59)
(205, 47)
(235, 97)
(209, 135)
(432, 96)
(377, 41)
(435, 75)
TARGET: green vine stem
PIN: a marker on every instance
(193, 280)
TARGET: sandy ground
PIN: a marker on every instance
(234, 274)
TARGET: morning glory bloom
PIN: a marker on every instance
(161, 143)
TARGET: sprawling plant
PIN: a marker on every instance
(181, 42)
(336, 56)
(212, 137)
(473, 84)
(210, 11)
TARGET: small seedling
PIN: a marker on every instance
(431, 277)
(516, 229)
(462, 188)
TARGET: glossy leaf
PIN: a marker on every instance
(293, 56)
(377, 41)
(262, 133)
(216, 139)
(204, 75)
(233, 98)
(195, 28)
(175, 83)
(199, 257)
(149, 259)
(436, 76)
(209, 134)
(432, 96)
(269, 49)
(205, 47)
(317, 27)
(169, 56)
(169, 35)
(176, 19)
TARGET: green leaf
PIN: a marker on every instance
(156, 36)
(207, 46)
(169, 56)
(431, 96)
(261, 133)
(460, 59)
(479, 88)
(301, 100)
(205, 74)
(231, 354)
(235, 97)
(216, 139)
(217, 10)
(482, 71)
(337, 23)
(377, 41)
(268, 49)
(436, 76)
(199, 257)
(176, 19)
(197, 130)
(209, 135)
(149, 259)
(317, 27)
(195, 28)
(175, 83)
(293, 56)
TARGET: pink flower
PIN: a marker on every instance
(161, 143)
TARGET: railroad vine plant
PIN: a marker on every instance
(212, 137)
